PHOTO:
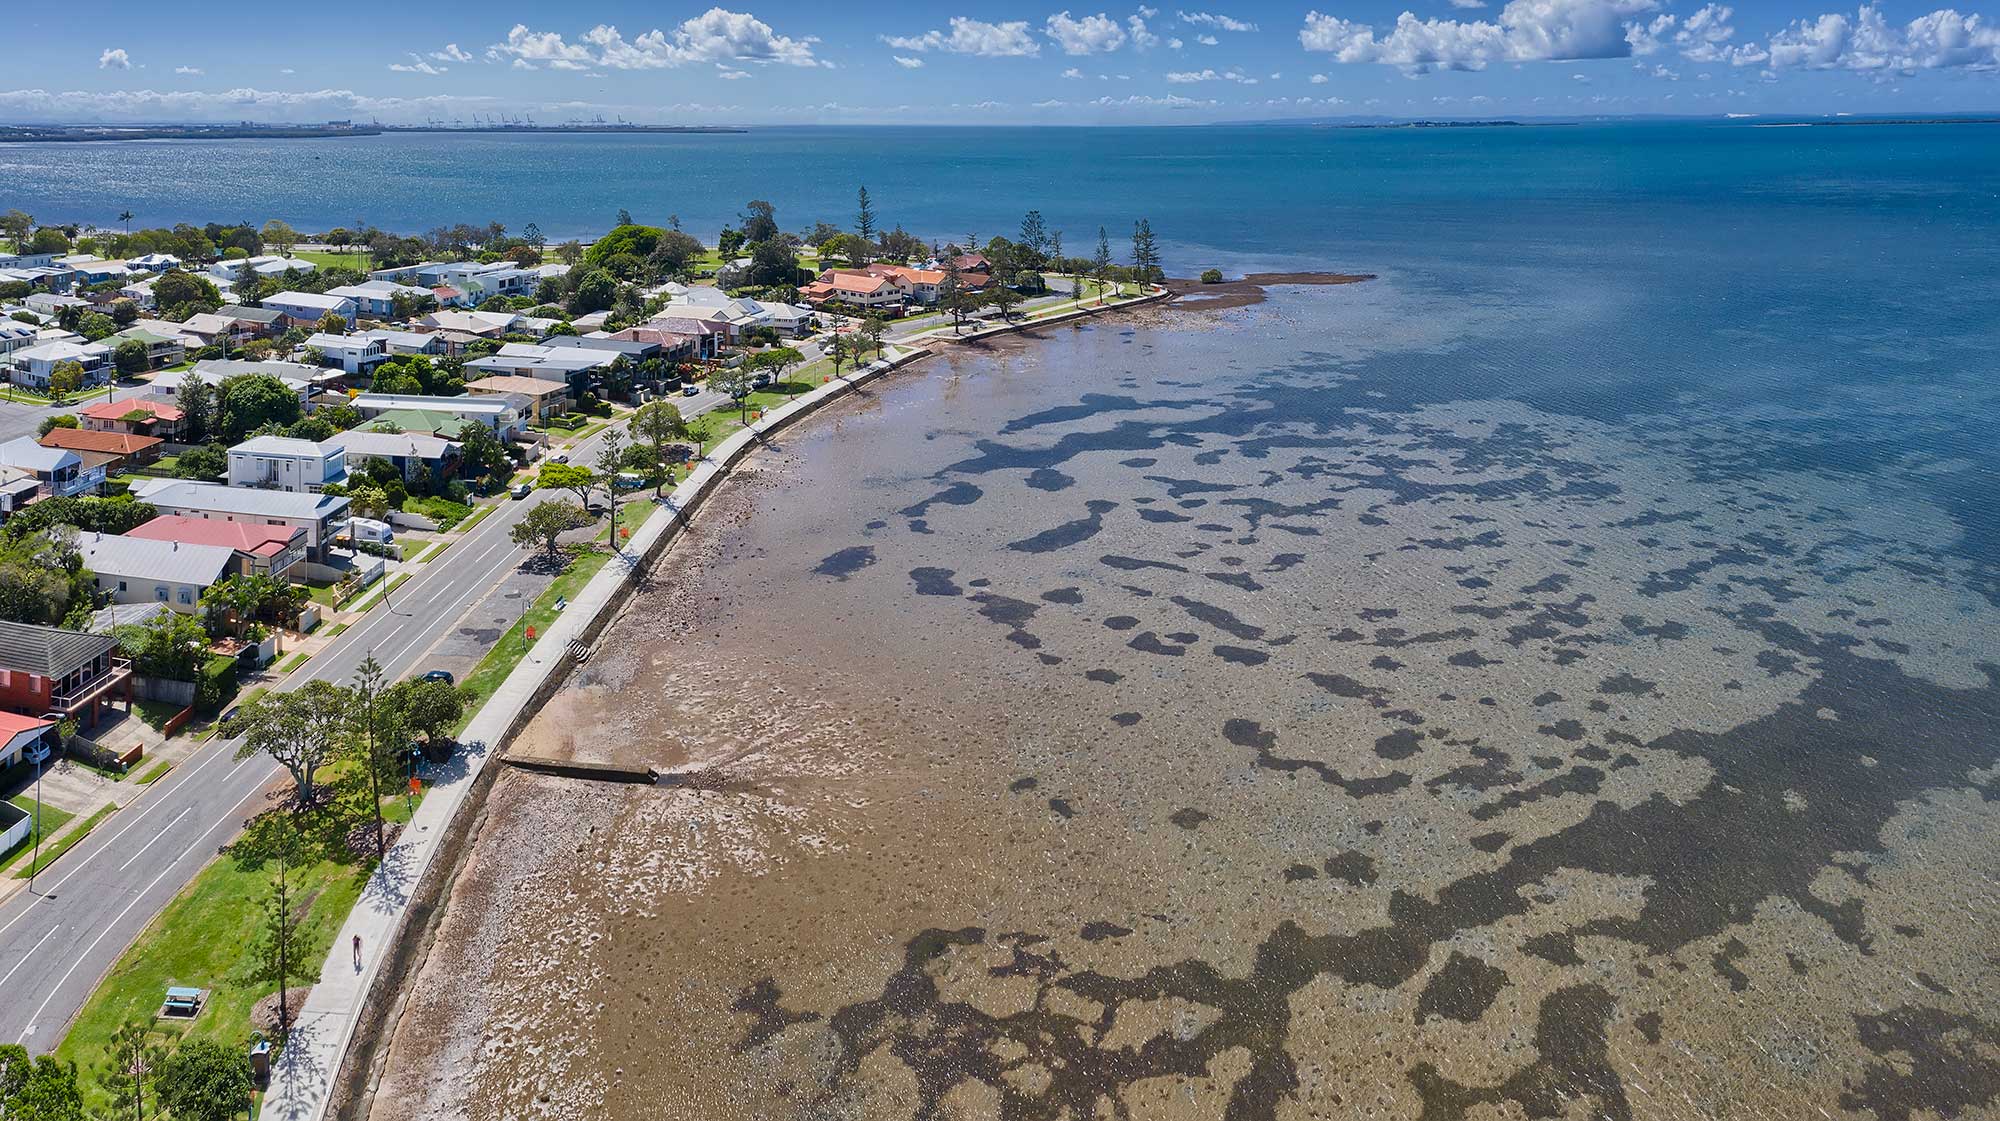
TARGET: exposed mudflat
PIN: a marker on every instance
(1184, 719)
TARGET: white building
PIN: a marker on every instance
(59, 472)
(34, 365)
(310, 307)
(139, 570)
(354, 354)
(322, 516)
(496, 413)
(284, 463)
(376, 298)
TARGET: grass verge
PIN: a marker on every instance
(290, 662)
(65, 842)
(52, 820)
(155, 774)
(485, 678)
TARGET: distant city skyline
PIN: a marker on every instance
(782, 62)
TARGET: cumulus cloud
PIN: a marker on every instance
(1174, 44)
(908, 63)
(1214, 19)
(717, 35)
(1185, 77)
(114, 58)
(1141, 36)
(728, 75)
(1468, 3)
(973, 37)
(1319, 79)
(1944, 39)
(417, 66)
(451, 53)
(1206, 40)
(1072, 73)
(1090, 35)
(1148, 101)
(191, 70)
(1526, 31)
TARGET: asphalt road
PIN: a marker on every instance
(57, 941)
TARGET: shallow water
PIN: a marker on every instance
(1289, 712)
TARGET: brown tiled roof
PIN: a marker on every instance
(84, 440)
(116, 410)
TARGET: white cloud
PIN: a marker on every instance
(451, 53)
(728, 75)
(114, 58)
(1072, 72)
(223, 105)
(1148, 101)
(1184, 77)
(1142, 37)
(417, 66)
(1319, 79)
(1206, 40)
(1944, 39)
(1174, 44)
(1052, 103)
(1216, 20)
(973, 37)
(523, 64)
(908, 63)
(1090, 35)
(1468, 3)
(1527, 31)
(717, 35)
(192, 70)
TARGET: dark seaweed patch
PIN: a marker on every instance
(1463, 990)
(935, 582)
(846, 562)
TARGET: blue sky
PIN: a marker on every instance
(786, 62)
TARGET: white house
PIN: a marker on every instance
(496, 413)
(59, 471)
(474, 281)
(140, 570)
(284, 463)
(156, 262)
(322, 516)
(242, 268)
(33, 365)
(296, 376)
(405, 342)
(310, 307)
(354, 354)
(568, 365)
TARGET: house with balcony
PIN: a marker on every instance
(260, 550)
(376, 299)
(33, 366)
(309, 308)
(56, 674)
(163, 348)
(112, 451)
(498, 413)
(321, 516)
(58, 472)
(351, 354)
(405, 451)
(149, 570)
(398, 343)
(288, 464)
(540, 397)
(575, 367)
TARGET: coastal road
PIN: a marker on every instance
(59, 940)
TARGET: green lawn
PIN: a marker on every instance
(201, 940)
(333, 260)
(478, 515)
(63, 843)
(500, 661)
(156, 713)
(443, 511)
(52, 820)
(290, 662)
(631, 512)
(158, 772)
(326, 595)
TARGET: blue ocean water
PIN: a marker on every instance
(1839, 273)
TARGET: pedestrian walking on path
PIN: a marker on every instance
(357, 953)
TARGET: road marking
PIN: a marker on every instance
(137, 898)
(25, 957)
(156, 837)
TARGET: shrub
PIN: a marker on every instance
(1211, 276)
(215, 684)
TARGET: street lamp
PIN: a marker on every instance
(35, 860)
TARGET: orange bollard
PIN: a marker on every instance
(531, 632)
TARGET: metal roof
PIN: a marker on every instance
(50, 651)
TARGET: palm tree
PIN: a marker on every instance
(126, 218)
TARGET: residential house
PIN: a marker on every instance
(58, 674)
(49, 303)
(245, 268)
(254, 322)
(572, 366)
(155, 262)
(260, 550)
(33, 366)
(376, 299)
(353, 354)
(680, 339)
(322, 516)
(742, 312)
(309, 308)
(139, 416)
(92, 269)
(295, 376)
(140, 292)
(285, 463)
(544, 398)
(428, 422)
(473, 281)
(18, 487)
(926, 285)
(398, 343)
(162, 349)
(405, 451)
(146, 570)
(15, 335)
(504, 417)
(59, 472)
(857, 289)
(111, 451)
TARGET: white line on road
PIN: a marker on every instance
(25, 958)
(149, 844)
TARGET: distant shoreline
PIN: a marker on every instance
(84, 134)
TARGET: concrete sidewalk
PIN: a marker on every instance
(304, 1078)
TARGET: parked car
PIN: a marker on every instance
(626, 480)
(690, 390)
(559, 457)
(521, 490)
(439, 675)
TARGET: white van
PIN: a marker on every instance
(368, 529)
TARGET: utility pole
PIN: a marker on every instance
(36, 858)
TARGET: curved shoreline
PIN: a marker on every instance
(1193, 295)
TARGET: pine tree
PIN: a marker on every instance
(864, 217)
(1035, 232)
(1100, 263)
(1145, 253)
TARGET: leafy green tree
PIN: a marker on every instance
(170, 646)
(280, 237)
(304, 730)
(124, 312)
(657, 424)
(130, 357)
(433, 708)
(204, 1080)
(848, 247)
(368, 501)
(181, 294)
(675, 254)
(251, 401)
(591, 290)
(65, 379)
(864, 216)
(1145, 253)
(481, 453)
(48, 240)
(206, 462)
(54, 421)
(736, 384)
(199, 411)
(761, 223)
(96, 325)
(547, 522)
(1004, 300)
(574, 478)
(627, 237)
(1100, 262)
(381, 737)
(772, 264)
(17, 225)
(41, 1089)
